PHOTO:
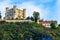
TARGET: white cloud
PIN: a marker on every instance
(46, 1)
(3, 5)
(30, 8)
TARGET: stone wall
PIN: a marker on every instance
(17, 20)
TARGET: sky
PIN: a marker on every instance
(48, 9)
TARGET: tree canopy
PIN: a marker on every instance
(53, 25)
(0, 15)
(36, 15)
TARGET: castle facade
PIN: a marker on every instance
(15, 13)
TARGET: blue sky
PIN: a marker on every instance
(48, 9)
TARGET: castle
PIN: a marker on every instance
(15, 13)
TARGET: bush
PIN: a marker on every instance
(53, 25)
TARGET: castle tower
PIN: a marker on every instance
(7, 9)
(14, 7)
(7, 13)
(24, 13)
(14, 13)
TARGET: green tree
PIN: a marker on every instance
(0, 15)
(32, 18)
(28, 18)
(59, 25)
(36, 15)
(53, 25)
(16, 19)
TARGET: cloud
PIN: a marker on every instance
(30, 8)
(3, 5)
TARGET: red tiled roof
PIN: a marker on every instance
(46, 21)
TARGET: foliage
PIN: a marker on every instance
(32, 18)
(22, 30)
(0, 16)
(59, 25)
(53, 25)
(36, 15)
(16, 19)
(19, 30)
(28, 18)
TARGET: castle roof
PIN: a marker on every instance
(46, 21)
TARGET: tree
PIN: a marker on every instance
(28, 18)
(0, 15)
(16, 19)
(36, 15)
(53, 25)
(32, 18)
(59, 25)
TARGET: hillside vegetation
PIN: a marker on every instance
(21, 30)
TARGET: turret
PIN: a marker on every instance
(24, 13)
(7, 9)
(7, 12)
(14, 7)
